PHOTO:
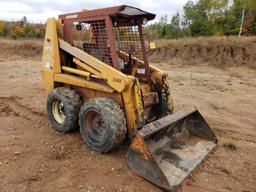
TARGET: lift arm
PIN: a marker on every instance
(113, 77)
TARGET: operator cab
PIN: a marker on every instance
(113, 35)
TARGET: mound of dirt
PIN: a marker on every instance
(20, 49)
(214, 51)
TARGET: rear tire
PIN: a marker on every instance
(63, 105)
(102, 124)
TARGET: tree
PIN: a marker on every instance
(162, 25)
(173, 29)
(23, 20)
(21, 28)
(206, 18)
(196, 19)
(2, 26)
(240, 8)
(210, 17)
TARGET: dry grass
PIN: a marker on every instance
(220, 52)
(208, 41)
(20, 49)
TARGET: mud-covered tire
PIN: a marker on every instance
(71, 106)
(108, 131)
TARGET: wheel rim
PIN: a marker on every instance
(58, 111)
(95, 126)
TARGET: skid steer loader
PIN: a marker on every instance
(97, 77)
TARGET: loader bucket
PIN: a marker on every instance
(166, 151)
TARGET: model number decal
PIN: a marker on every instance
(117, 80)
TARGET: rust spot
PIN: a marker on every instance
(139, 145)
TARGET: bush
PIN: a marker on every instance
(14, 36)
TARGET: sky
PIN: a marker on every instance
(40, 10)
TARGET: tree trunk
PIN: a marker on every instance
(242, 21)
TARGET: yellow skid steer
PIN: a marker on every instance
(97, 78)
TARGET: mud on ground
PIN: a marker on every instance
(34, 157)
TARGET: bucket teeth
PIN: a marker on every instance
(166, 151)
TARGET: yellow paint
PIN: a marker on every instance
(76, 71)
(130, 110)
(111, 82)
(51, 56)
(145, 88)
(86, 67)
(138, 103)
(48, 81)
(113, 77)
(152, 45)
(125, 56)
(59, 27)
(80, 82)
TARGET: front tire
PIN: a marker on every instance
(63, 105)
(102, 124)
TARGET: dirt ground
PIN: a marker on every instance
(34, 157)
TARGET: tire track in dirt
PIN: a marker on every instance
(11, 106)
(233, 134)
(203, 187)
(230, 176)
(239, 180)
